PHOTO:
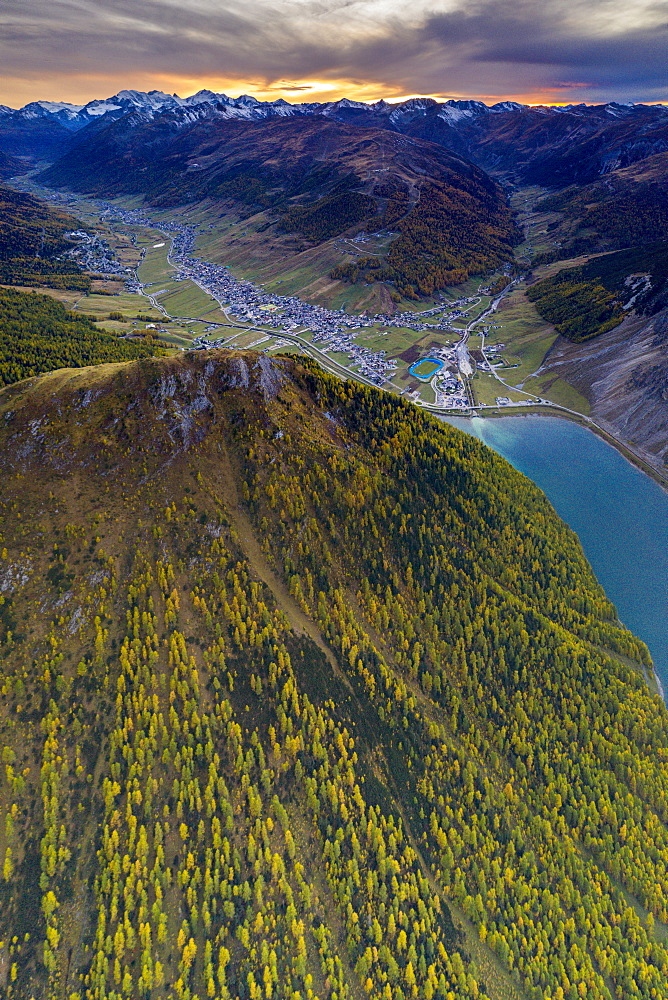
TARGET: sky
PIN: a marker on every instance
(552, 52)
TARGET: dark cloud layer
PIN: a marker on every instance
(564, 49)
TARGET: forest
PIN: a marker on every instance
(38, 334)
(329, 216)
(639, 273)
(31, 242)
(629, 208)
(445, 237)
(299, 684)
(585, 301)
(579, 307)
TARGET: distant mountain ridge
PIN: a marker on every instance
(75, 116)
(549, 145)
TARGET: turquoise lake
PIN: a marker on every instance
(619, 514)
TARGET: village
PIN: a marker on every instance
(327, 332)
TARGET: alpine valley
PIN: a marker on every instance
(388, 210)
(306, 694)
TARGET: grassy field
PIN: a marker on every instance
(223, 337)
(68, 297)
(250, 338)
(425, 368)
(126, 303)
(486, 389)
(559, 391)
(175, 339)
(527, 337)
(184, 298)
(155, 266)
(230, 336)
(216, 315)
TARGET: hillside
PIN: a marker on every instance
(586, 301)
(38, 334)
(312, 177)
(555, 147)
(9, 166)
(624, 375)
(298, 682)
(627, 208)
(611, 314)
(31, 138)
(32, 243)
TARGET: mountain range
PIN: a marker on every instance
(432, 181)
(546, 145)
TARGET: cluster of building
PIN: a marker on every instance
(334, 330)
(247, 303)
(94, 254)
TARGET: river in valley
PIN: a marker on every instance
(619, 514)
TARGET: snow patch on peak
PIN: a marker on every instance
(507, 106)
(201, 97)
(96, 108)
(414, 104)
(345, 102)
(450, 115)
(478, 107)
(54, 106)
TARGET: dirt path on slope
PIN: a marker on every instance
(299, 622)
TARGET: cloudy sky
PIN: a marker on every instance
(554, 51)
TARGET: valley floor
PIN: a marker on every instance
(496, 354)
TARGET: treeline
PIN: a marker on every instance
(38, 334)
(577, 307)
(329, 216)
(31, 244)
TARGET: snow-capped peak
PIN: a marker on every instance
(345, 102)
(154, 98)
(507, 106)
(201, 97)
(245, 101)
(54, 106)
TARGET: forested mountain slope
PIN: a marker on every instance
(32, 241)
(38, 334)
(290, 670)
(627, 208)
(9, 166)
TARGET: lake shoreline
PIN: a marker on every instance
(643, 464)
(622, 541)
